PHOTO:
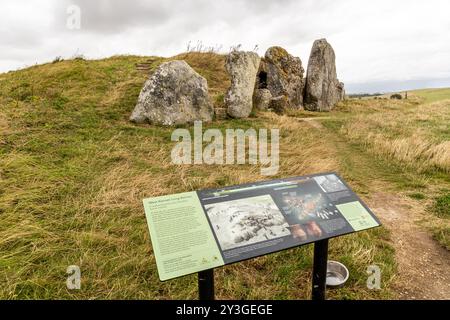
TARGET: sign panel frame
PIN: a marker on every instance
(197, 231)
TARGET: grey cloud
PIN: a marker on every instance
(374, 41)
(19, 37)
(394, 86)
(112, 16)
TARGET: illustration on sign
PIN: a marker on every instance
(245, 221)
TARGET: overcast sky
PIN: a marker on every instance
(380, 45)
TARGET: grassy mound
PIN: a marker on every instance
(73, 173)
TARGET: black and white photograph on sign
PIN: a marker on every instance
(330, 183)
(247, 221)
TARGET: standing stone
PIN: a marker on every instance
(242, 67)
(261, 99)
(175, 94)
(341, 88)
(279, 104)
(323, 89)
(284, 74)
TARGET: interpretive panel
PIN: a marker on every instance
(197, 231)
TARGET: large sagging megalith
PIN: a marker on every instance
(175, 94)
(323, 90)
(242, 67)
(282, 74)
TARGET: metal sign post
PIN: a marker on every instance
(206, 285)
(319, 277)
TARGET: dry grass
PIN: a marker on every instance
(3, 123)
(4, 128)
(74, 171)
(432, 95)
(370, 106)
(212, 67)
(409, 142)
(418, 137)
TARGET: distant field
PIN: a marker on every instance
(428, 95)
(432, 95)
(413, 135)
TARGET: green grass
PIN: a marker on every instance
(417, 196)
(441, 228)
(74, 171)
(442, 206)
(433, 95)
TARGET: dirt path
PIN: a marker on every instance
(313, 121)
(423, 265)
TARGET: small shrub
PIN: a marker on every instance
(397, 96)
(60, 102)
(442, 235)
(219, 101)
(22, 92)
(78, 56)
(417, 196)
(202, 48)
(442, 206)
(58, 59)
